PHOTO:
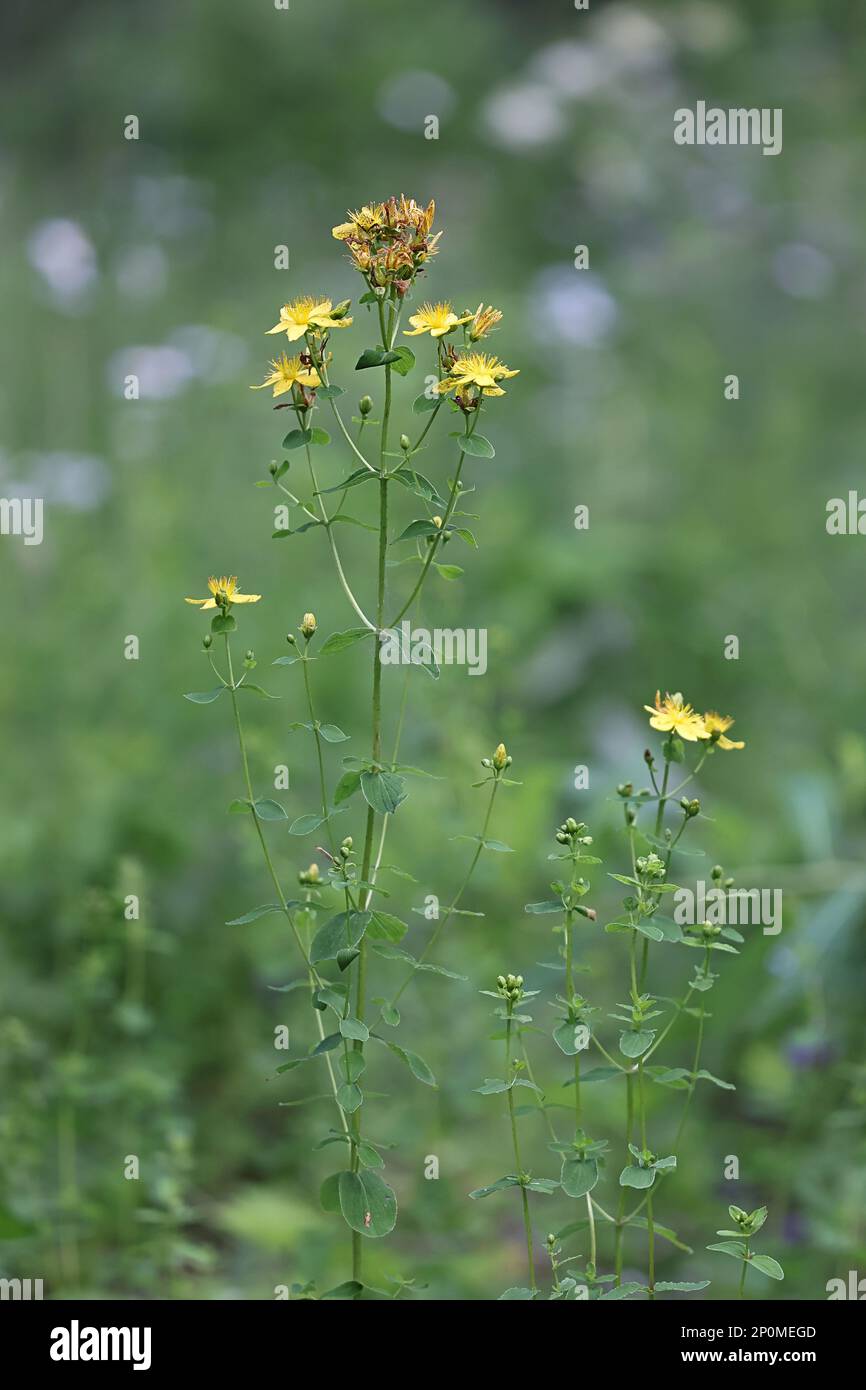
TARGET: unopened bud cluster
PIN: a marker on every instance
(510, 987)
(310, 876)
(650, 866)
(690, 808)
(573, 832)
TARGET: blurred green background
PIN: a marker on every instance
(260, 127)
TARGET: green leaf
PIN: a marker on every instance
(767, 1265)
(375, 357)
(734, 1248)
(474, 444)
(296, 439)
(579, 1176)
(354, 1028)
(257, 690)
(421, 527)
(493, 1086)
(647, 928)
(367, 1203)
(349, 1097)
(347, 786)
(637, 1177)
(329, 1193)
(353, 1064)
(498, 1186)
(515, 1293)
(416, 1064)
(341, 932)
(423, 403)
(538, 909)
(383, 791)
(565, 1037)
(338, 640)
(223, 622)
(269, 810)
(664, 1231)
(406, 360)
(319, 436)
(204, 697)
(385, 927)
(390, 1014)
(624, 1290)
(330, 393)
(350, 1288)
(254, 913)
(635, 1044)
(332, 733)
(302, 825)
(449, 572)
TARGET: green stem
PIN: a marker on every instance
(742, 1288)
(649, 1200)
(527, 1220)
(620, 1213)
(695, 1064)
(319, 755)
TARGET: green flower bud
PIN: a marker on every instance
(405, 443)
(207, 641)
(365, 405)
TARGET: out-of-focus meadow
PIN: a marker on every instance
(260, 127)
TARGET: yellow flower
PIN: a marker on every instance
(435, 319)
(224, 592)
(717, 726)
(483, 320)
(362, 223)
(301, 315)
(476, 369)
(286, 372)
(671, 715)
(500, 757)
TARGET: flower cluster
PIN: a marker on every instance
(672, 715)
(389, 242)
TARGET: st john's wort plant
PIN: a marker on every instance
(628, 1061)
(338, 922)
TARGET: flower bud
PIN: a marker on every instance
(716, 872)
(625, 789)
(365, 405)
(561, 837)
(291, 639)
(405, 443)
(308, 626)
(485, 762)
(571, 825)
(272, 468)
(500, 758)
(207, 641)
(341, 310)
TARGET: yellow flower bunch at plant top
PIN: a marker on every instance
(389, 242)
(672, 715)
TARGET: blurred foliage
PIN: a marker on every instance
(258, 128)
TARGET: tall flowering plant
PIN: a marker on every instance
(337, 920)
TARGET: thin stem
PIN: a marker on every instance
(620, 1221)
(741, 1292)
(319, 755)
(695, 1063)
(527, 1220)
